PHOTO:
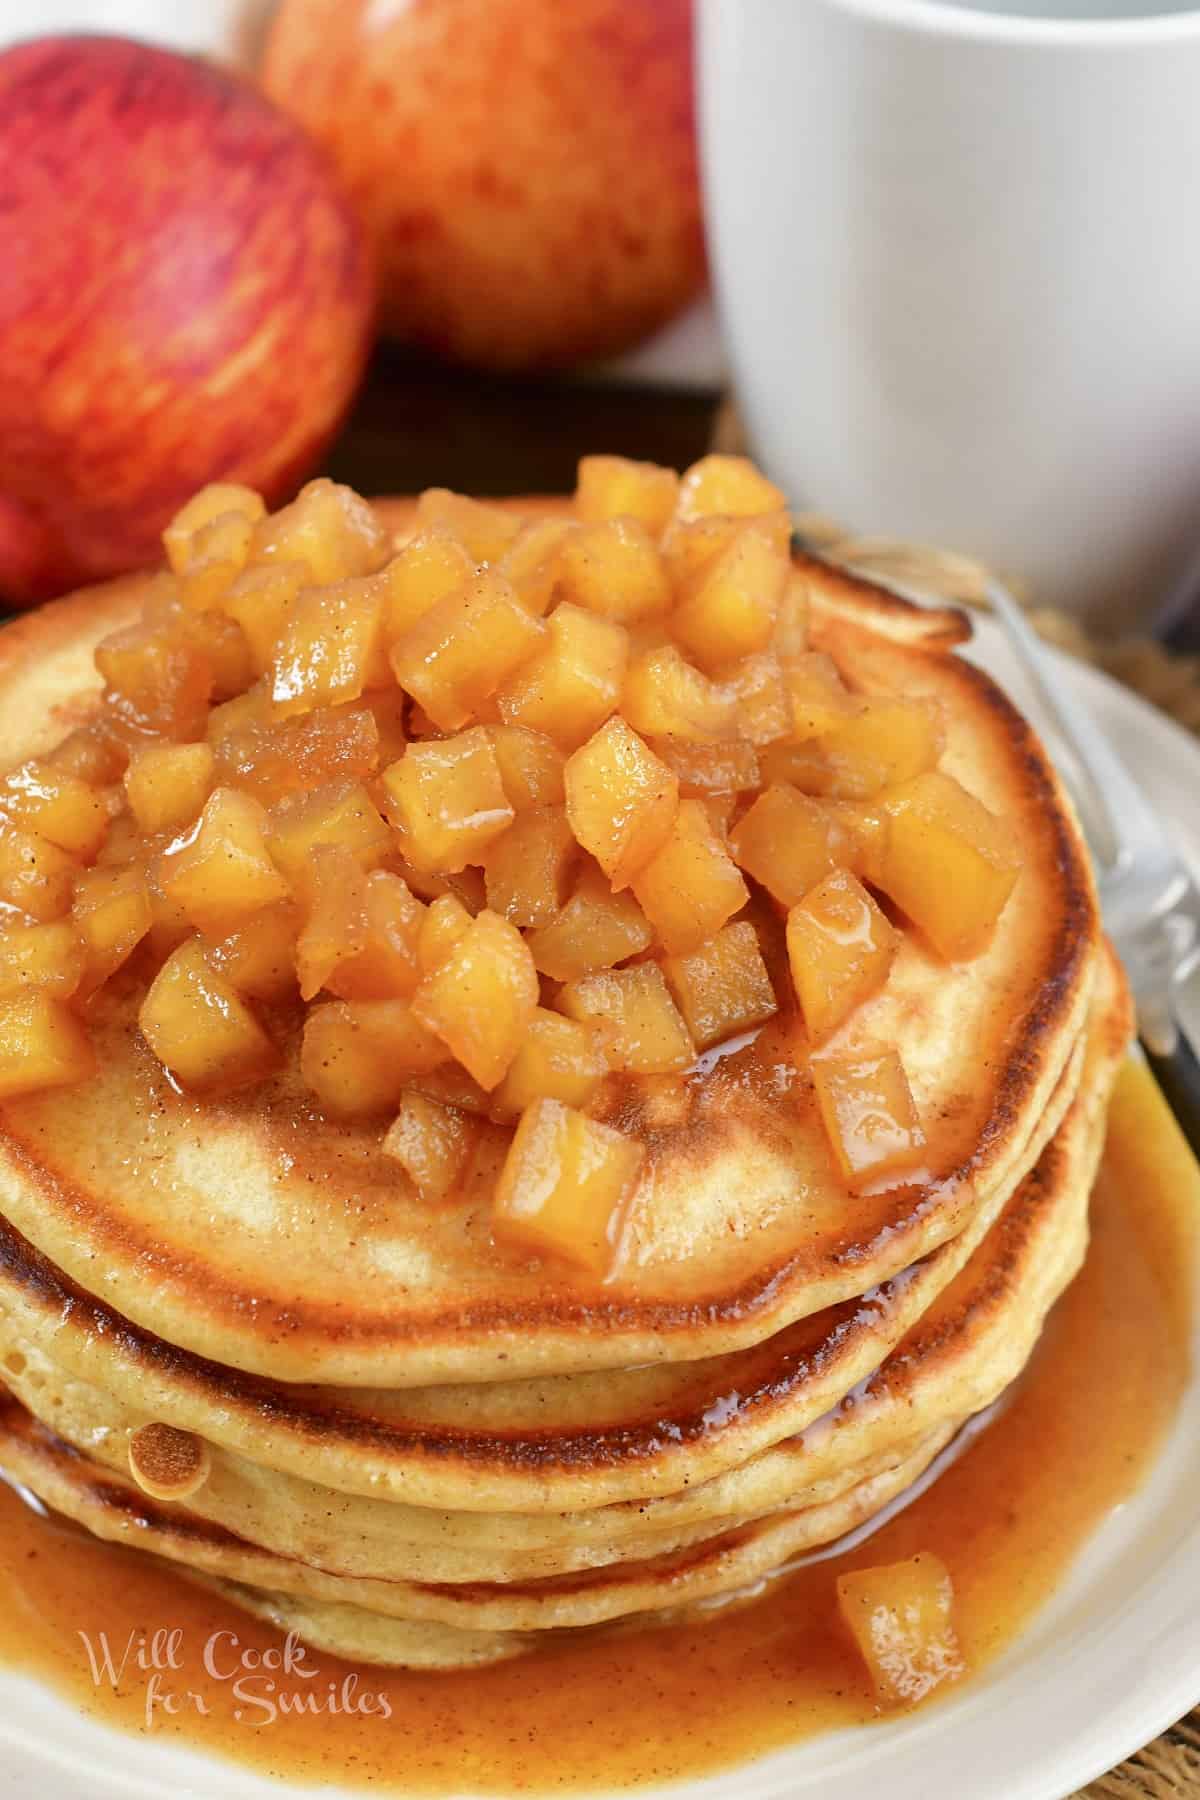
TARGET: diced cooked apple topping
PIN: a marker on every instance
(840, 948)
(901, 1617)
(486, 822)
(723, 988)
(647, 1034)
(200, 1028)
(431, 1142)
(868, 1109)
(565, 1185)
(42, 1044)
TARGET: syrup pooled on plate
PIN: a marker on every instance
(1006, 1517)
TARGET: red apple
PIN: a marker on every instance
(184, 295)
(527, 168)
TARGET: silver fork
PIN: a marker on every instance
(1150, 904)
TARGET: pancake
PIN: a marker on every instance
(563, 1443)
(115, 1510)
(406, 1437)
(968, 1345)
(263, 1238)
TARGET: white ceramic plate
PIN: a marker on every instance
(1111, 1661)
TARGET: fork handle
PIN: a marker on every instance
(1178, 1075)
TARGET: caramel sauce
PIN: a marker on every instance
(1007, 1517)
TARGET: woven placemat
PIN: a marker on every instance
(1169, 1768)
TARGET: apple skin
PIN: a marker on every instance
(185, 295)
(527, 168)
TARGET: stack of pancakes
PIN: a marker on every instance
(232, 1334)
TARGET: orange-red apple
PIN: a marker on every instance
(527, 168)
(185, 295)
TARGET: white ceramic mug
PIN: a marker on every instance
(957, 253)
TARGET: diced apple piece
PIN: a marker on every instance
(155, 683)
(790, 636)
(387, 707)
(947, 862)
(574, 683)
(259, 958)
(649, 1036)
(690, 886)
(799, 765)
(48, 957)
(223, 644)
(901, 1617)
(481, 1173)
(220, 871)
(457, 655)
(594, 930)
(820, 699)
(690, 546)
(166, 785)
(445, 924)
(219, 500)
(169, 923)
(35, 875)
(42, 1045)
(124, 842)
(357, 1055)
(531, 563)
(447, 800)
(200, 1028)
(787, 842)
(330, 648)
(385, 966)
(270, 761)
(432, 565)
(531, 766)
(217, 555)
(613, 568)
(450, 1085)
(112, 913)
(886, 742)
(665, 696)
(730, 610)
(335, 926)
(92, 754)
(341, 813)
(251, 711)
(756, 686)
(466, 885)
(566, 1186)
(328, 528)
(431, 1142)
(720, 809)
(723, 988)
(621, 800)
(732, 767)
(259, 600)
(611, 487)
(859, 833)
(867, 1108)
(559, 1059)
(527, 868)
(726, 484)
(485, 530)
(59, 807)
(480, 999)
(840, 948)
